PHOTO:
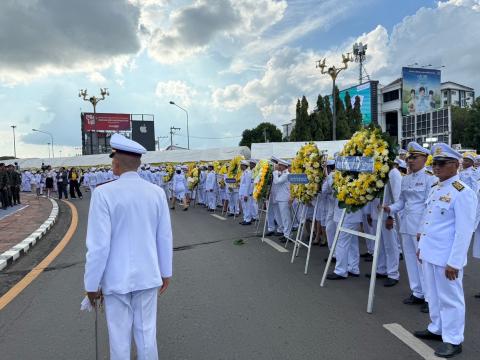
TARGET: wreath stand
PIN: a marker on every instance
(299, 238)
(266, 211)
(358, 166)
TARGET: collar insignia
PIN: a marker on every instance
(457, 185)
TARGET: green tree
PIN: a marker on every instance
(258, 134)
(302, 129)
(343, 129)
(329, 117)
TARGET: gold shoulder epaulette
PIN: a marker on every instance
(458, 186)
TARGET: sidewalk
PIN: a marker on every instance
(19, 222)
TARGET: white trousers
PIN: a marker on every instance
(135, 311)
(247, 208)
(446, 303)
(253, 208)
(388, 255)
(347, 252)
(274, 217)
(370, 230)
(92, 187)
(201, 195)
(414, 268)
(286, 217)
(331, 228)
(476, 243)
(233, 203)
(211, 198)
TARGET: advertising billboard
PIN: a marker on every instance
(421, 90)
(367, 94)
(143, 132)
(105, 122)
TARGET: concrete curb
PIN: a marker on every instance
(23, 246)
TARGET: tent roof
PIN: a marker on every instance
(288, 150)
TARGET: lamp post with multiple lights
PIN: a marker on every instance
(360, 54)
(51, 136)
(186, 112)
(14, 145)
(94, 100)
(333, 72)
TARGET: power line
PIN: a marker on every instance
(211, 138)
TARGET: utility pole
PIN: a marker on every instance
(172, 129)
(48, 144)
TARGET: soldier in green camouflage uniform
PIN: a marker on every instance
(15, 180)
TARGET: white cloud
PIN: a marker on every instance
(422, 37)
(177, 91)
(97, 78)
(193, 28)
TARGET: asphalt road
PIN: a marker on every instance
(227, 301)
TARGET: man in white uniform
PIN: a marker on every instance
(129, 271)
(210, 187)
(446, 229)
(253, 203)
(282, 196)
(244, 193)
(414, 192)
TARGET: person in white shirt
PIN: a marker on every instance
(253, 203)
(282, 197)
(444, 237)
(179, 188)
(210, 187)
(244, 193)
(129, 278)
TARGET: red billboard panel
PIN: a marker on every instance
(105, 122)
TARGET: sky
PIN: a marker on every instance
(231, 63)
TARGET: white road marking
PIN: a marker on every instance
(275, 245)
(218, 217)
(411, 341)
(13, 212)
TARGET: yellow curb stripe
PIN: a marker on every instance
(37, 270)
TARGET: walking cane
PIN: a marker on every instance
(96, 333)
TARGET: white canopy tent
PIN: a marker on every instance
(288, 150)
(151, 157)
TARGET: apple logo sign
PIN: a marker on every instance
(143, 129)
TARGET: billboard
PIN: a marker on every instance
(421, 90)
(143, 132)
(366, 92)
(105, 122)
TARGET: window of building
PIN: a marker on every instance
(445, 94)
(454, 92)
(391, 96)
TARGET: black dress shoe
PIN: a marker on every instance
(278, 234)
(368, 258)
(477, 296)
(270, 233)
(247, 223)
(413, 300)
(379, 276)
(427, 335)
(364, 255)
(230, 215)
(353, 274)
(424, 309)
(400, 257)
(334, 260)
(447, 350)
(186, 209)
(283, 239)
(390, 282)
(333, 276)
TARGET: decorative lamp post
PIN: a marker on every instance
(333, 72)
(94, 100)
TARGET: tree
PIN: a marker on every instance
(343, 130)
(302, 131)
(465, 126)
(264, 131)
(329, 117)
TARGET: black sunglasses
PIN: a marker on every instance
(441, 163)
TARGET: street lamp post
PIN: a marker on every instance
(51, 136)
(186, 112)
(48, 146)
(333, 72)
(94, 100)
(14, 145)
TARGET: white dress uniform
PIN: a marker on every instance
(179, 187)
(446, 231)
(282, 196)
(245, 191)
(389, 253)
(331, 225)
(210, 187)
(414, 192)
(253, 203)
(129, 251)
(201, 187)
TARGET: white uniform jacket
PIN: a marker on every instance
(414, 191)
(448, 224)
(129, 237)
(211, 181)
(282, 185)
(245, 183)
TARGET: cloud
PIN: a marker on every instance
(177, 91)
(421, 37)
(194, 27)
(59, 36)
(97, 78)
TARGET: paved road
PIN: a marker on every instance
(226, 302)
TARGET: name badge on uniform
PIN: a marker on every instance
(419, 184)
(446, 198)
